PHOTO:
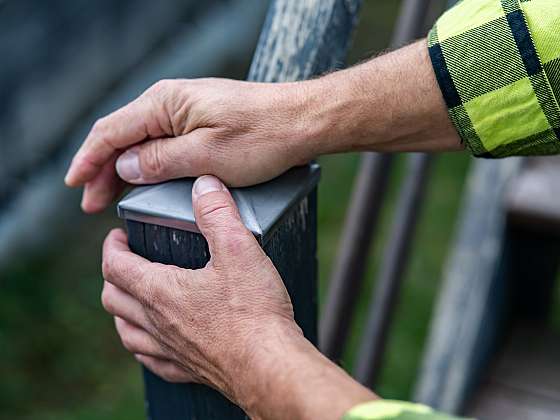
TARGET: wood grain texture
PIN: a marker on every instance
(533, 200)
(524, 383)
(467, 316)
(304, 38)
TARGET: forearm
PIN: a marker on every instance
(390, 103)
(293, 380)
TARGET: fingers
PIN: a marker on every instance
(122, 305)
(164, 369)
(137, 121)
(218, 219)
(163, 159)
(152, 284)
(143, 280)
(103, 189)
(138, 340)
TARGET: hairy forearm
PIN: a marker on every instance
(292, 379)
(247, 133)
(389, 104)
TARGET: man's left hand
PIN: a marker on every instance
(206, 325)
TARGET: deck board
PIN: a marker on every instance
(524, 383)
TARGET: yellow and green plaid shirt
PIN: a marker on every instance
(497, 63)
(394, 410)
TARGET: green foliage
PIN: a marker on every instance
(58, 347)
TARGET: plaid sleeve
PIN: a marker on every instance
(394, 410)
(497, 63)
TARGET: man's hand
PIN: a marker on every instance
(242, 132)
(209, 321)
(229, 325)
(246, 133)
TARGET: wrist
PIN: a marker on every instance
(264, 365)
(335, 113)
(289, 378)
(390, 103)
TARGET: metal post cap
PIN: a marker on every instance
(261, 206)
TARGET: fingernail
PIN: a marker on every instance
(207, 184)
(128, 166)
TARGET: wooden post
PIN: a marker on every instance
(299, 39)
(161, 227)
(465, 322)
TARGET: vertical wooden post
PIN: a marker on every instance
(465, 321)
(299, 39)
(161, 228)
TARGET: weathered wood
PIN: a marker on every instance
(500, 279)
(304, 38)
(531, 268)
(468, 314)
(533, 199)
(524, 383)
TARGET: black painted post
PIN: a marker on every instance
(161, 227)
(299, 39)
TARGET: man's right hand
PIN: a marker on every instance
(246, 133)
(242, 132)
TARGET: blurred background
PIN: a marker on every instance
(67, 63)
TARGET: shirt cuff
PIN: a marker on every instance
(497, 63)
(394, 410)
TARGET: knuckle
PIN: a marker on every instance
(127, 342)
(175, 377)
(207, 145)
(106, 268)
(235, 242)
(200, 157)
(109, 267)
(168, 376)
(160, 87)
(107, 299)
(216, 206)
(154, 296)
(99, 125)
(152, 160)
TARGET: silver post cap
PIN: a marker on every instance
(261, 206)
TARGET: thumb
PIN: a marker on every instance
(163, 159)
(218, 219)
